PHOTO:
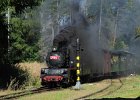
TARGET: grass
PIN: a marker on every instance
(68, 94)
(23, 76)
(5, 92)
(33, 67)
(130, 89)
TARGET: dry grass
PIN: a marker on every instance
(5, 92)
(33, 67)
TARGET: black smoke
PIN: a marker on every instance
(92, 56)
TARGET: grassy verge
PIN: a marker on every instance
(130, 89)
(68, 94)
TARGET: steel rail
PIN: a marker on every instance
(26, 92)
(121, 84)
(83, 97)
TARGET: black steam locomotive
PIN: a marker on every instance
(69, 63)
(61, 69)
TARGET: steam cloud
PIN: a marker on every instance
(93, 53)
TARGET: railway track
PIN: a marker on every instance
(100, 93)
(120, 84)
(26, 92)
(104, 91)
(94, 93)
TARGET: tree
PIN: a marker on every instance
(22, 44)
(52, 17)
(24, 37)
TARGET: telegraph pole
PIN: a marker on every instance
(78, 83)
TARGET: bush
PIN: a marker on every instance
(14, 77)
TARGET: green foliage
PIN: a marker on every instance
(119, 44)
(21, 5)
(3, 40)
(24, 32)
(24, 37)
(3, 5)
(23, 41)
(137, 32)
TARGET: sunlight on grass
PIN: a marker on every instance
(68, 94)
(33, 67)
(130, 89)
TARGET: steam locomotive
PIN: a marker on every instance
(68, 62)
(61, 69)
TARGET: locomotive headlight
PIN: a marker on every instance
(54, 49)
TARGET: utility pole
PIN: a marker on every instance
(78, 83)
